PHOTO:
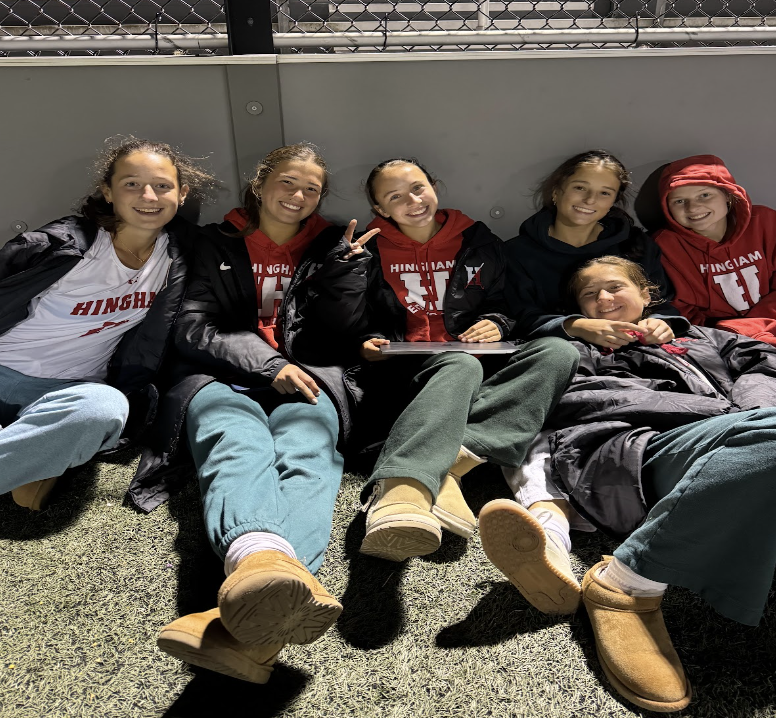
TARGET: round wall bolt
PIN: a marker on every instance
(254, 108)
(19, 226)
(497, 212)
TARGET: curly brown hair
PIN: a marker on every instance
(95, 207)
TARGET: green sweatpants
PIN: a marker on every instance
(450, 406)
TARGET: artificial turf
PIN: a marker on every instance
(86, 585)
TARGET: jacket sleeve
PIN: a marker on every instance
(337, 292)
(240, 355)
(494, 308)
(752, 365)
(23, 252)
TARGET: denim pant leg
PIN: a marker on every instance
(309, 469)
(243, 473)
(711, 529)
(51, 425)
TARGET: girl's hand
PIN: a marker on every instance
(358, 246)
(291, 379)
(370, 349)
(656, 331)
(602, 332)
(483, 331)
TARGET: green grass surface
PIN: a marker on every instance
(86, 585)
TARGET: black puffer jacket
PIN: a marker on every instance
(618, 402)
(217, 340)
(33, 261)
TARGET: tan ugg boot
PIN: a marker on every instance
(399, 522)
(202, 640)
(34, 495)
(272, 598)
(537, 564)
(634, 647)
(450, 507)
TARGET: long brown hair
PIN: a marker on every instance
(251, 196)
(554, 181)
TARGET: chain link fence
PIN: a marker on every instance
(79, 27)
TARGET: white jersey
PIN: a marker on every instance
(73, 327)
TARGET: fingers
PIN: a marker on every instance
(351, 230)
(483, 331)
(357, 246)
(292, 380)
(370, 349)
(656, 331)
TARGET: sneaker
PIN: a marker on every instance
(634, 647)
(534, 560)
(202, 640)
(272, 598)
(399, 522)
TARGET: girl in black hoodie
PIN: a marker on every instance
(580, 219)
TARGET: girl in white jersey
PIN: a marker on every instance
(86, 306)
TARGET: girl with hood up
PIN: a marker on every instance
(580, 219)
(718, 249)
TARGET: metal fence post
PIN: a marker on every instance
(249, 25)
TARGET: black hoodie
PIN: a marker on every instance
(539, 268)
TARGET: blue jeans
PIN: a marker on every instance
(711, 528)
(266, 462)
(50, 425)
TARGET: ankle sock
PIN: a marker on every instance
(471, 455)
(621, 576)
(252, 542)
(556, 522)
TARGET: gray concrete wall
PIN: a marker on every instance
(488, 124)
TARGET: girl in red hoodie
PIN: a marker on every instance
(719, 250)
(437, 275)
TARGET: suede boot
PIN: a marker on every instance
(516, 543)
(272, 598)
(399, 522)
(450, 507)
(634, 647)
(34, 495)
(202, 640)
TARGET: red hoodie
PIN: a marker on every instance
(732, 280)
(273, 268)
(419, 273)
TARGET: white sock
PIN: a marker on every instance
(252, 542)
(620, 576)
(470, 454)
(554, 521)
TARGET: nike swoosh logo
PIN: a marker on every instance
(224, 267)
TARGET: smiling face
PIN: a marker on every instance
(404, 194)
(291, 192)
(144, 192)
(586, 196)
(605, 292)
(700, 208)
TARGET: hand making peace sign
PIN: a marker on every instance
(357, 246)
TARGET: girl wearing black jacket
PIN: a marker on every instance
(261, 423)
(87, 304)
(436, 275)
(665, 446)
(580, 218)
